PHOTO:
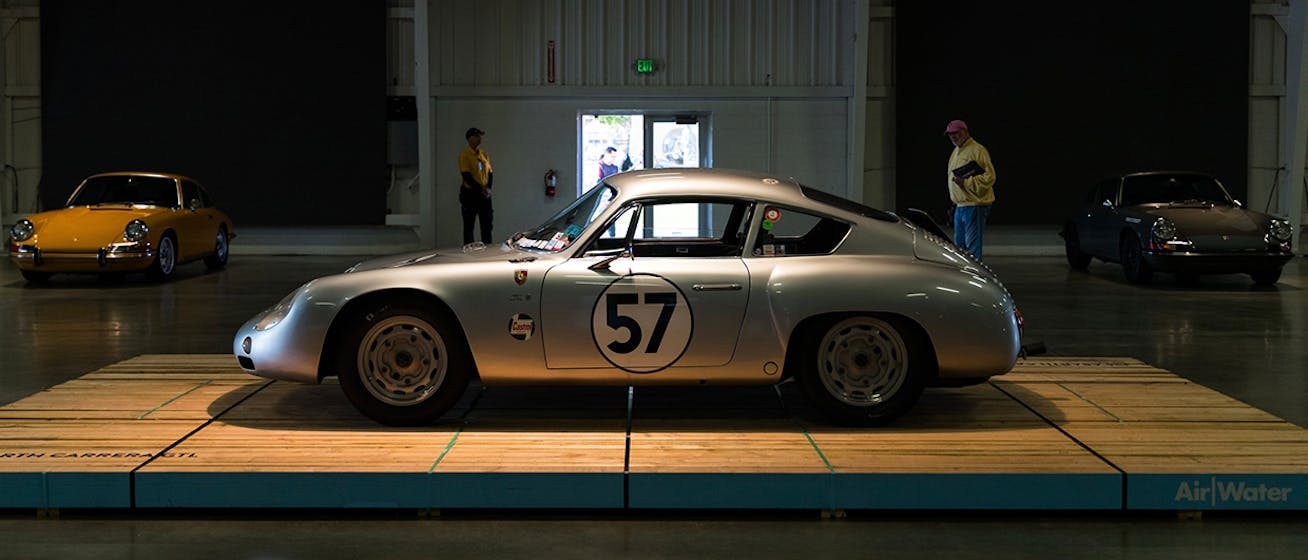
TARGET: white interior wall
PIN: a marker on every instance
(20, 109)
(525, 137)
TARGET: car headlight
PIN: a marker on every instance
(1280, 230)
(1163, 229)
(135, 230)
(22, 231)
(278, 313)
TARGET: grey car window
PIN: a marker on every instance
(787, 232)
(678, 228)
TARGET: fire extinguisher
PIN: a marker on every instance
(551, 180)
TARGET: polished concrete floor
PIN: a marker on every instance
(1223, 332)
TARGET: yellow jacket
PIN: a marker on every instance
(977, 190)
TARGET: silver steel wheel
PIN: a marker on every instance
(402, 360)
(220, 249)
(167, 256)
(862, 361)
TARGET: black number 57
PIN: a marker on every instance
(619, 321)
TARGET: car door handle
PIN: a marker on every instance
(716, 287)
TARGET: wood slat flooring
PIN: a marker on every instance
(163, 418)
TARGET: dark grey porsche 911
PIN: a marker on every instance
(1180, 222)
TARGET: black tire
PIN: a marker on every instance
(165, 259)
(1266, 277)
(1076, 258)
(402, 365)
(36, 276)
(218, 259)
(863, 370)
(1134, 267)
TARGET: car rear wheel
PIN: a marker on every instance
(219, 257)
(864, 370)
(1076, 258)
(1135, 268)
(36, 277)
(1266, 277)
(403, 366)
(165, 260)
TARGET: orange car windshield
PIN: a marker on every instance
(126, 189)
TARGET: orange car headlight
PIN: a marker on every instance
(135, 230)
(22, 231)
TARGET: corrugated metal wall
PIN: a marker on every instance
(20, 109)
(694, 42)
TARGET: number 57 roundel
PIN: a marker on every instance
(642, 323)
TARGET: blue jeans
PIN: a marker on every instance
(969, 221)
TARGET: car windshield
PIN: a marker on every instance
(559, 232)
(126, 189)
(1173, 189)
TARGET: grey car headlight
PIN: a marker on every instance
(1280, 230)
(1163, 229)
(277, 314)
(135, 230)
(22, 231)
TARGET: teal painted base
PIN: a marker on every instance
(526, 490)
(65, 490)
(283, 490)
(978, 491)
(735, 491)
(1217, 492)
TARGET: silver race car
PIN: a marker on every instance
(658, 277)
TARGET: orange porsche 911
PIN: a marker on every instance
(123, 222)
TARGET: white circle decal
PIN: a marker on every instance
(642, 323)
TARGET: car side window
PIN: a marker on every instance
(190, 193)
(786, 232)
(678, 228)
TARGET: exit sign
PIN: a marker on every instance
(644, 66)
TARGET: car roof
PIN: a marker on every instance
(1152, 173)
(159, 174)
(708, 182)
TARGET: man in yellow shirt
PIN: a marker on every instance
(475, 191)
(971, 186)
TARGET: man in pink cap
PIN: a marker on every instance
(971, 186)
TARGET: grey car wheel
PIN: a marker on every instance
(1076, 258)
(165, 260)
(1134, 267)
(403, 366)
(220, 248)
(1266, 277)
(865, 370)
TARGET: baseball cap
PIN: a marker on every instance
(474, 131)
(955, 126)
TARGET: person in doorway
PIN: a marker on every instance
(607, 163)
(475, 190)
(971, 186)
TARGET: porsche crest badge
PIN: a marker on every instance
(519, 276)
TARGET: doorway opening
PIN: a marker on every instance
(612, 142)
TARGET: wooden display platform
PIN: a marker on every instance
(1056, 433)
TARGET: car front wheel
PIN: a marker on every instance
(219, 257)
(36, 276)
(1266, 277)
(1076, 258)
(864, 370)
(403, 366)
(1134, 267)
(165, 260)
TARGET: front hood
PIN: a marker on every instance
(488, 253)
(1218, 220)
(83, 228)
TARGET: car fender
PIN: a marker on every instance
(967, 315)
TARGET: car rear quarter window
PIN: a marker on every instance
(785, 232)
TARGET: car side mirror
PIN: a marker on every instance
(1107, 203)
(613, 255)
(194, 204)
